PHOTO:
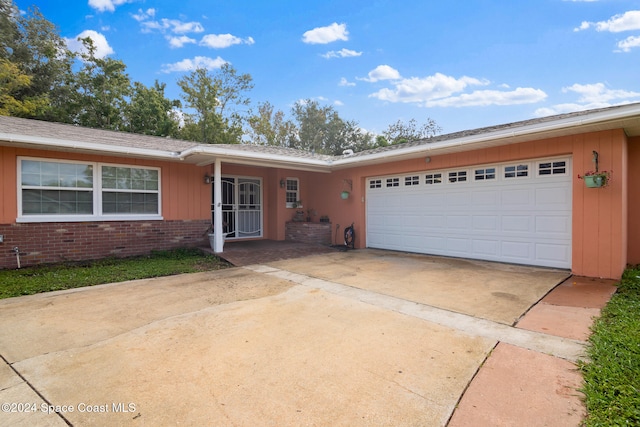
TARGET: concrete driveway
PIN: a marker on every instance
(358, 338)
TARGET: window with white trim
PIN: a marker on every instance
(558, 167)
(292, 192)
(516, 171)
(58, 190)
(459, 176)
(393, 182)
(433, 178)
(375, 183)
(485, 174)
(412, 180)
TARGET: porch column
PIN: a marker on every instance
(217, 209)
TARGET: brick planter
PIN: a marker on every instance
(309, 232)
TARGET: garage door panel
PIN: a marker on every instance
(525, 220)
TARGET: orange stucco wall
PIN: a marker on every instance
(633, 185)
(184, 196)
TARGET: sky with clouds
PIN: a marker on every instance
(463, 64)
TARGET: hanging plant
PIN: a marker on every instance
(596, 179)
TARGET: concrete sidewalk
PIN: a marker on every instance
(321, 340)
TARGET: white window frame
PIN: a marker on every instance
(375, 183)
(553, 167)
(517, 173)
(296, 191)
(411, 180)
(97, 195)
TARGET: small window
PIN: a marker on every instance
(375, 183)
(292, 192)
(412, 180)
(485, 174)
(516, 171)
(460, 176)
(393, 182)
(552, 168)
(433, 178)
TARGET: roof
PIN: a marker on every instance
(64, 137)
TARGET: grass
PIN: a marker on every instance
(612, 377)
(32, 280)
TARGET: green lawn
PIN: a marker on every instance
(612, 377)
(32, 280)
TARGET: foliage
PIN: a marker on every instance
(149, 112)
(401, 132)
(269, 127)
(612, 376)
(12, 82)
(33, 280)
(215, 100)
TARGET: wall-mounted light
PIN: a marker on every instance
(207, 179)
(427, 159)
(283, 183)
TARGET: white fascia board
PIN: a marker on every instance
(57, 144)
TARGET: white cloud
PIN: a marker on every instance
(599, 93)
(338, 103)
(104, 5)
(173, 25)
(192, 64)
(177, 42)
(221, 41)
(144, 15)
(483, 98)
(328, 34)
(627, 21)
(594, 95)
(381, 72)
(345, 82)
(99, 41)
(420, 90)
(629, 43)
(343, 53)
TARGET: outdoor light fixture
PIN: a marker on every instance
(207, 179)
(427, 159)
(283, 183)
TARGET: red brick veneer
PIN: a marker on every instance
(309, 232)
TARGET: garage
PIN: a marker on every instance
(516, 212)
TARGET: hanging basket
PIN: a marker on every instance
(344, 195)
(595, 181)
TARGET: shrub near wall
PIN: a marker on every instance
(41, 243)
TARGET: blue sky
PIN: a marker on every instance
(465, 64)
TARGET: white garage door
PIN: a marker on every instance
(517, 212)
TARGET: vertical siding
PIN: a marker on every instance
(633, 208)
(8, 196)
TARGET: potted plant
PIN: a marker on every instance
(596, 179)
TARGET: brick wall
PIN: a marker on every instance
(309, 232)
(41, 243)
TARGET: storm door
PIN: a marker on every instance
(241, 207)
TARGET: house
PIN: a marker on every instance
(508, 193)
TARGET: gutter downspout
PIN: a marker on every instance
(217, 210)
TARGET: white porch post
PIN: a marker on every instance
(217, 209)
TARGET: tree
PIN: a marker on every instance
(215, 101)
(400, 132)
(34, 44)
(12, 82)
(103, 88)
(269, 127)
(149, 112)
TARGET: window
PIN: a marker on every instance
(52, 190)
(412, 180)
(393, 182)
(433, 178)
(292, 192)
(552, 168)
(516, 171)
(484, 174)
(459, 176)
(375, 183)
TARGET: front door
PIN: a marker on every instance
(241, 207)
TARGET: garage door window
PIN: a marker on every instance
(393, 182)
(516, 171)
(552, 168)
(433, 178)
(484, 174)
(375, 183)
(459, 176)
(412, 180)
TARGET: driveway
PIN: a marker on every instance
(358, 338)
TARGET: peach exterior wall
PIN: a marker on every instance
(600, 216)
(633, 184)
(184, 196)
